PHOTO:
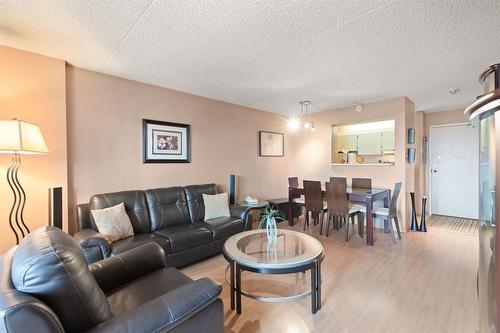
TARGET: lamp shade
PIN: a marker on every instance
(20, 137)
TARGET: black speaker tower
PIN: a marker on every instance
(232, 189)
(55, 207)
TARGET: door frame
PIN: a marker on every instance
(429, 162)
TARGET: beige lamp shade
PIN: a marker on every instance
(20, 137)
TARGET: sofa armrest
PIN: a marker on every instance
(94, 245)
(242, 212)
(166, 311)
(127, 266)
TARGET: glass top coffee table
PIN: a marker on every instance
(293, 252)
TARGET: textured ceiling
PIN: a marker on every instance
(271, 54)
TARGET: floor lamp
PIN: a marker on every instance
(16, 138)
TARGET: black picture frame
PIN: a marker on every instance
(282, 138)
(180, 132)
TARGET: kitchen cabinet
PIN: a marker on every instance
(388, 142)
(370, 144)
(346, 142)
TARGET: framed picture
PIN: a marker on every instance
(411, 155)
(271, 144)
(411, 135)
(165, 142)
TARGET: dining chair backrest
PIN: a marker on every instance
(336, 198)
(393, 205)
(313, 196)
(293, 181)
(338, 179)
(362, 183)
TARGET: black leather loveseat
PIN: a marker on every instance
(172, 217)
(46, 286)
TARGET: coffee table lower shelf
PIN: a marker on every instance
(236, 291)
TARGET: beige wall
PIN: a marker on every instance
(311, 157)
(32, 88)
(444, 118)
(105, 140)
(409, 167)
(419, 185)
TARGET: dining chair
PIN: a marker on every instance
(293, 181)
(338, 208)
(338, 179)
(390, 213)
(313, 202)
(362, 183)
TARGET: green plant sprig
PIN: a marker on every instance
(269, 212)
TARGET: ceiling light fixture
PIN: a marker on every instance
(309, 125)
(303, 120)
(453, 91)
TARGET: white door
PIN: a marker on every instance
(454, 170)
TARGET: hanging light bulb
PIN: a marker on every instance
(313, 129)
(307, 124)
(293, 124)
(303, 121)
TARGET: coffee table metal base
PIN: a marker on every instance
(236, 291)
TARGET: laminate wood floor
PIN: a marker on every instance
(427, 283)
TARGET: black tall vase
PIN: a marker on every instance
(423, 228)
(414, 222)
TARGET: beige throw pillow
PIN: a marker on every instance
(113, 223)
(216, 206)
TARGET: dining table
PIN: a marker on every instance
(366, 196)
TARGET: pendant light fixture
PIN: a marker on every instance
(303, 120)
(308, 125)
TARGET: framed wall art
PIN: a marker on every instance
(271, 144)
(165, 142)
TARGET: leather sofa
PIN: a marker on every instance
(172, 217)
(46, 285)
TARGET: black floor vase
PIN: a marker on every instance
(414, 222)
(423, 228)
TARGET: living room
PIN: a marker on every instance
(97, 79)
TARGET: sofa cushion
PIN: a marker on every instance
(135, 206)
(113, 223)
(185, 236)
(223, 227)
(216, 205)
(145, 289)
(49, 264)
(167, 207)
(194, 197)
(136, 240)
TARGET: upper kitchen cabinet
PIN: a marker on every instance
(346, 143)
(363, 143)
(388, 142)
(369, 143)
